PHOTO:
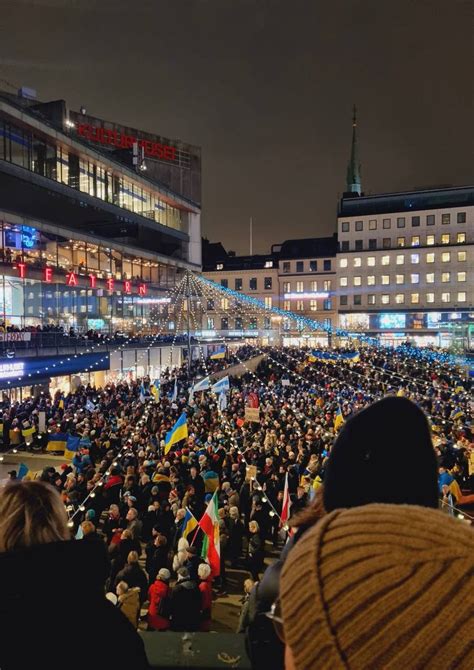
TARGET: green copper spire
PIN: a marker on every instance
(353, 184)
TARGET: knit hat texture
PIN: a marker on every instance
(383, 454)
(381, 587)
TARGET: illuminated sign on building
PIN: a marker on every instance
(119, 140)
(8, 370)
(322, 295)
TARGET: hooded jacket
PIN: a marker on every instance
(185, 606)
(53, 594)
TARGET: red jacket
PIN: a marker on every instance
(206, 603)
(157, 591)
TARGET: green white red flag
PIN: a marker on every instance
(211, 548)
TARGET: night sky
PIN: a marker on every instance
(266, 88)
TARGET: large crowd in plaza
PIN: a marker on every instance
(337, 445)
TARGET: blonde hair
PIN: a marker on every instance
(132, 557)
(31, 513)
(122, 587)
(254, 527)
(248, 585)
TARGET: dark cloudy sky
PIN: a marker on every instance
(266, 88)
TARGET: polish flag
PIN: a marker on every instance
(285, 510)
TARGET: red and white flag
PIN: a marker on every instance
(209, 524)
(285, 510)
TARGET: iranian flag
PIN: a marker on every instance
(285, 508)
(209, 524)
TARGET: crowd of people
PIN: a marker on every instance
(385, 428)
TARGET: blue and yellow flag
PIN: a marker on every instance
(189, 524)
(57, 442)
(72, 446)
(177, 433)
(23, 470)
(218, 354)
(155, 390)
(339, 420)
(28, 432)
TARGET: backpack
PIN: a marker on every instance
(164, 607)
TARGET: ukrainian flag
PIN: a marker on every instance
(458, 414)
(177, 433)
(219, 354)
(155, 389)
(72, 446)
(353, 357)
(28, 432)
(23, 470)
(339, 420)
(57, 442)
(61, 404)
(189, 524)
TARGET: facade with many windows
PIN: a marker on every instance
(297, 276)
(92, 235)
(405, 265)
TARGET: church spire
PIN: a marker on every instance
(353, 184)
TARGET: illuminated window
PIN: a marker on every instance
(385, 280)
(415, 258)
(342, 281)
(445, 218)
(386, 224)
(462, 256)
(430, 278)
(430, 258)
(343, 262)
(385, 260)
(446, 257)
(400, 298)
(300, 305)
(287, 305)
(430, 220)
(445, 277)
(461, 276)
(385, 299)
(357, 281)
(268, 301)
(373, 224)
(445, 297)
(299, 287)
(400, 242)
(268, 264)
(430, 240)
(357, 262)
(327, 285)
(400, 259)
(399, 279)
(224, 303)
(286, 287)
(415, 298)
(401, 222)
(371, 299)
(210, 323)
(430, 297)
(462, 296)
(371, 280)
(313, 305)
(345, 226)
(415, 278)
(415, 241)
(220, 266)
(461, 217)
(359, 225)
(371, 261)
(445, 238)
(461, 238)
(314, 285)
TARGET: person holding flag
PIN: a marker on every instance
(177, 433)
(219, 354)
(209, 524)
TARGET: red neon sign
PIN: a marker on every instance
(110, 283)
(48, 275)
(71, 279)
(21, 267)
(117, 139)
(142, 290)
(127, 286)
(92, 281)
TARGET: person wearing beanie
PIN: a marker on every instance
(380, 587)
(383, 454)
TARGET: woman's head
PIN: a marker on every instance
(204, 570)
(132, 557)
(253, 527)
(31, 513)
